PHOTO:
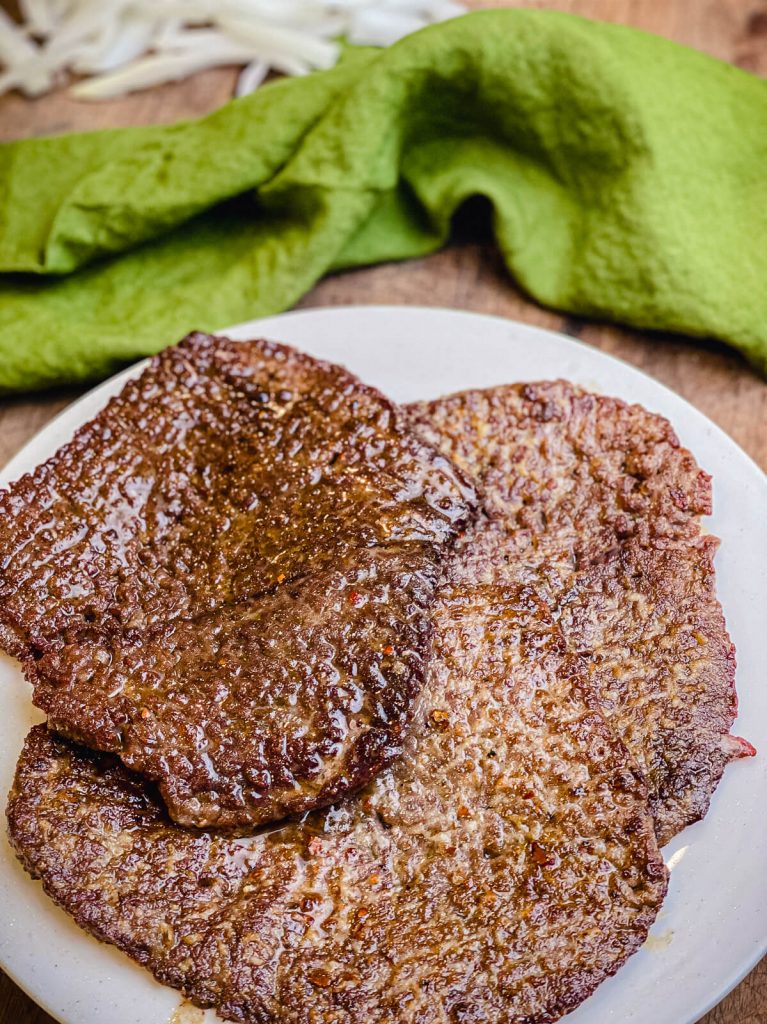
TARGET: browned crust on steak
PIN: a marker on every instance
(225, 579)
(602, 497)
(498, 871)
(653, 633)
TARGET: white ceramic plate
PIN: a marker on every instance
(713, 927)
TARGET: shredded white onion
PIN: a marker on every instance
(120, 46)
(252, 77)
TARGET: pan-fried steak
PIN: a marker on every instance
(225, 579)
(498, 871)
(601, 497)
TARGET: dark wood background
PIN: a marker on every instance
(468, 275)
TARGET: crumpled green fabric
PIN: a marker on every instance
(627, 175)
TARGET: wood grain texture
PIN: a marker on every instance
(468, 275)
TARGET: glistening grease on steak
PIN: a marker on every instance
(601, 497)
(225, 579)
(499, 870)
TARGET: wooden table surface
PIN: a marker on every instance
(468, 275)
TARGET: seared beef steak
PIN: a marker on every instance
(498, 871)
(225, 579)
(601, 497)
(649, 624)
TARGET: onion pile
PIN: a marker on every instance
(119, 46)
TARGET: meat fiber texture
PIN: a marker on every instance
(601, 498)
(226, 577)
(507, 862)
(499, 870)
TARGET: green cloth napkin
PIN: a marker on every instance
(628, 178)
